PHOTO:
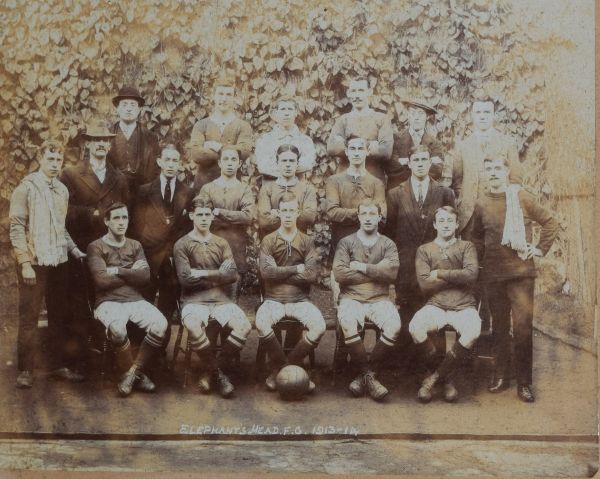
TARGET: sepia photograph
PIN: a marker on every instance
(248, 237)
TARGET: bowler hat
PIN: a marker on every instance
(97, 130)
(130, 93)
(418, 103)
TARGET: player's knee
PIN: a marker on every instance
(263, 323)
(117, 332)
(392, 329)
(194, 325)
(317, 328)
(242, 327)
(159, 326)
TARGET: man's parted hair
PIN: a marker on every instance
(287, 197)
(419, 149)
(287, 147)
(115, 206)
(447, 209)
(202, 202)
(169, 146)
(502, 158)
(358, 78)
(230, 148)
(284, 99)
(355, 137)
(54, 146)
(224, 80)
(368, 203)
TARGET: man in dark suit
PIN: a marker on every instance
(134, 148)
(93, 186)
(160, 219)
(411, 213)
(414, 134)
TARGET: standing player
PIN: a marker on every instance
(38, 209)
(413, 135)
(221, 127)
(134, 148)
(205, 264)
(120, 274)
(447, 269)
(288, 158)
(363, 122)
(161, 218)
(468, 178)
(285, 132)
(234, 208)
(365, 265)
(411, 211)
(501, 228)
(288, 267)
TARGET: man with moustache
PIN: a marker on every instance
(38, 209)
(363, 122)
(501, 228)
(414, 134)
(93, 185)
(222, 127)
(134, 148)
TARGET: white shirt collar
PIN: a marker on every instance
(416, 135)
(280, 133)
(414, 182)
(99, 169)
(163, 185)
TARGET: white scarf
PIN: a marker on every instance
(47, 235)
(513, 235)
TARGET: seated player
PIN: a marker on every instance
(365, 265)
(447, 269)
(288, 157)
(205, 265)
(120, 273)
(288, 266)
(234, 208)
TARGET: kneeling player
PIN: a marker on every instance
(205, 265)
(365, 265)
(447, 269)
(288, 266)
(120, 273)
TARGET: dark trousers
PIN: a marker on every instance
(505, 297)
(409, 300)
(163, 281)
(51, 284)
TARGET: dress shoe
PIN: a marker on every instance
(67, 375)
(450, 392)
(425, 391)
(204, 383)
(225, 387)
(525, 393)
(498, 384)
(357, 386)
(270, 381)
(376, 390)
(24, 380)
(127, 381)
(145, 384)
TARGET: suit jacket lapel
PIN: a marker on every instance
(89, 178)
(109, 181)
(156, 198)
(179, 198)
(412, 209)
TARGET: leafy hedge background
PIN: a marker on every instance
(62, 61)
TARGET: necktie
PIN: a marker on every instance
(167, 198)
(420, 195)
